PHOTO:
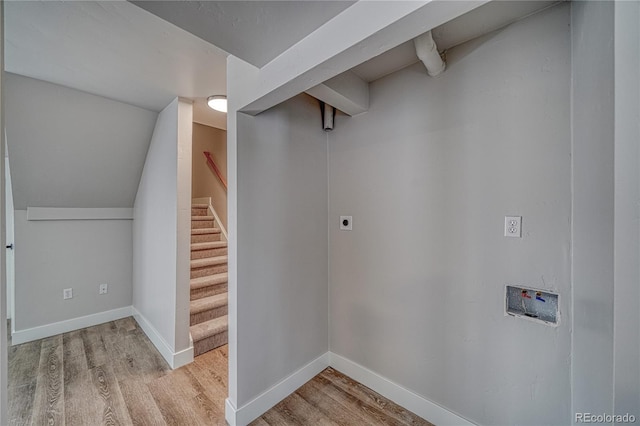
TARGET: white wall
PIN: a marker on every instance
(8, 210)
(593, 206)
(81, 254)
(627, 209)
(162, 213)
(416, 290)
(3, 286)
(281, 282)
(72, 149)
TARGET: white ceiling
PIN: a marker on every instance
(116, 50)
(480, 21)
(255, 31)
(124, 52)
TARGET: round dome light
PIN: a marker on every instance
(217, 102)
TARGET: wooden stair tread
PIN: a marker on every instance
(206, 303)
(199, 206)
(201, 231)
(209, 328)
(202, 218)
(208, 246)
(209, 261)
(209, 280)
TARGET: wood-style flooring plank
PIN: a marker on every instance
(92, 396)
(140, 403)
(24, 361)
(373, 399)
(259, 422)
(133, 358)
(298, 411)
(213, 387)
(114, 409)
(21, 399)
(81, 402)
(24, 364)
(214, 365)
(314, 394)
(94, 345)
(72, 344)
(272, 418)
(182, 400)
(367, 413)
(127, 324)
(112, 374)
(48, 406)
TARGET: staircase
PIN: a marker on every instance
(208, 307)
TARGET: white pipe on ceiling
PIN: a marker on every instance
(427, 51)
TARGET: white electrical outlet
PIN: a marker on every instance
(104, 288)
(67, 293)
(346, 223)
(513, 226)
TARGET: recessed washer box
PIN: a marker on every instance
(532, 304)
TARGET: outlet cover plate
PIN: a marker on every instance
(513, 226)
(346, 223)
(104, 288)
(67, 293)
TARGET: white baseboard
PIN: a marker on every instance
(259, 405)
(421, 406)
(48, 330)
(230, 413)
(174, 359)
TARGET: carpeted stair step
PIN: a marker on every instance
(199, 222)
(199, 209)
(209, 335)
(210, 249)
(209, 285)
(208, 266)
(203, 235)
(208, 308)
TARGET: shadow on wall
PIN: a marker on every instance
(204, 182)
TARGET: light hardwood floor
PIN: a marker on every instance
(111, 374)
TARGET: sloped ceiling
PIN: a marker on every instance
(71, 149)
(255, 31)
(113, 49)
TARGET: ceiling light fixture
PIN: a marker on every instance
(217, 102)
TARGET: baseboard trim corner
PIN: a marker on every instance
(421, 406)
(48, 330)
(174, 359)
(230, 412)
(269, 398)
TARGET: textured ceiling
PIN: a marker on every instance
(255, 31)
